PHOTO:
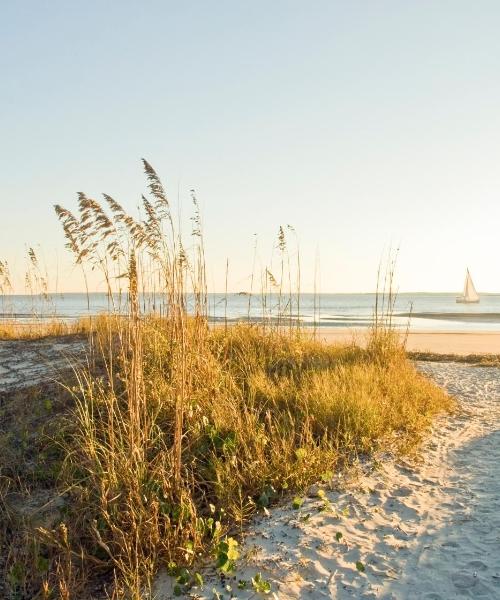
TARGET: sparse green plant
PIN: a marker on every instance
(360, 566)
(261, 585)
(227, 554)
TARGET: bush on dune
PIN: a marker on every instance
(181, 431)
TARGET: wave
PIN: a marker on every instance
(478, 317)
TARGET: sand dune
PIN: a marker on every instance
(425, 530)
(396, 530)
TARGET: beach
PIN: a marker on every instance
(249, 304)
(28, 362)
(418, 529)
(439, 342)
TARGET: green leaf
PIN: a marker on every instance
(227, 553)
(42, 564)
(177, 590)
(222, 562)
(198, 580)
(188, 550)
(183, 576)
(338, 536)
(326, 506)
(301, 453)
(297, 502)
(232, 552)
(242, 584)
(268, 493)
(263, 500)
(327, 476)
(360, 566)
(16, 574)
(261, 585)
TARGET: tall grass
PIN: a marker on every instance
(180, 432)
(14, 329)
(36, 316)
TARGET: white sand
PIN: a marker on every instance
(29, 362)
(422, 531)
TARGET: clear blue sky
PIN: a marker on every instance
(360, 123)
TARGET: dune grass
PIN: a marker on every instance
(36, 329)
(266, 415)
(176, 433)
(12, 329)
(479, 360)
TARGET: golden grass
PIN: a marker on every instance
(480, 360)
(12, 329)
(175, 433)
(16, 330)
(267, 414)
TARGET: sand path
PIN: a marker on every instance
(28, 362)
(426, 531)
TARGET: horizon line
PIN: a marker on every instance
(245, 293)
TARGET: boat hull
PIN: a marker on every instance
(464, 301)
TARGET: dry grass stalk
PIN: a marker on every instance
(181, 432)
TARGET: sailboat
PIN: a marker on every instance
(470, 296)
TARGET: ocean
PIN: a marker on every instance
(423, 311)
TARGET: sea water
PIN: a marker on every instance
(422, 311)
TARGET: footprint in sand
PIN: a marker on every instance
(477, 565)
(464, 581)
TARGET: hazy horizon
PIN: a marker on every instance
(258, 293)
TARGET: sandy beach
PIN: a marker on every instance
(425, 529)
(438, 342)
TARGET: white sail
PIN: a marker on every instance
(470, 294)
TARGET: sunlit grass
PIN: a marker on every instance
(176, 433)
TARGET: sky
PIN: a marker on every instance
(363, 124)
